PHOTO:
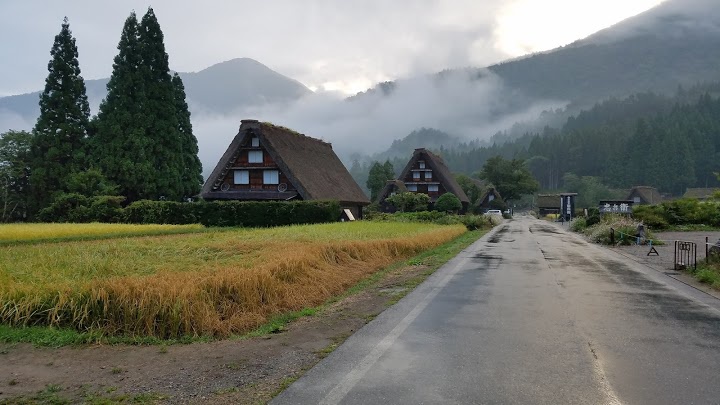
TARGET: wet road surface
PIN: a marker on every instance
(530, 314)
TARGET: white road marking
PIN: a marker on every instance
(358, 372)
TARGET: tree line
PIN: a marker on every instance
(139, 146)
(670, 143)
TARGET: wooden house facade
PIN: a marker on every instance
(265, 162)
(425, 173)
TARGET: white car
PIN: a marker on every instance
(494, 212)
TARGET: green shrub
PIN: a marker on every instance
(624, 227)
(578, 224)
(409, 202)
(448, 202)
(472, 222)
(75, 207)
(593, 216)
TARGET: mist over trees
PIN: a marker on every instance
(139, 146)
(671, 143)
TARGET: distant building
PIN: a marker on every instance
(491, 199)
(547, 204)
(701, 193)
(424, 173)
(644, 195)
(265, 162)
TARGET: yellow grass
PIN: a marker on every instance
(30, 232)
(216, 283)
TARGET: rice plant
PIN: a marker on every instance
(216, 283)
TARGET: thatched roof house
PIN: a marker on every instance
(427, 173)
(268, 162)
(490, 200)
(701, 193)
(644, 195)
(391, 188)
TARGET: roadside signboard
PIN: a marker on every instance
(616, 207)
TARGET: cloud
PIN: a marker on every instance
(456, 102)
(313, 41)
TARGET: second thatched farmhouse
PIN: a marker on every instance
(269, 162)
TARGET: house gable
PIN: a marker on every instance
(490, 195)
(644, 195)
(427, 173)
(269, 162)
(250, 170)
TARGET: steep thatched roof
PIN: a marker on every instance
(700, 193)
(491, 190)
(310, 164)
(440, 171)
(548, 201)
(648, 195)
(392, 186)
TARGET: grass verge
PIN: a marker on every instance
(708, 274)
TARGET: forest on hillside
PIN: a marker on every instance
(670, 143)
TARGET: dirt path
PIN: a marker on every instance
(230, 371)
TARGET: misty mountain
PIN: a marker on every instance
(428, 138)
(676, 43)
(220, 89)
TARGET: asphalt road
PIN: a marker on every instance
(530, 314)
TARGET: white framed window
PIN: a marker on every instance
(432, 187)
(255, 156)
(636, 200)
(271, 177)
(416, 175)
(242, 177)
(412, 187)
(422, 164)
(428, 174)
(255, 142)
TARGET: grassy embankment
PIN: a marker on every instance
(203, 284)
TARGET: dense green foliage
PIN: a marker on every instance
(60, 134)
(511, 178)
(379, 174)
(471, 222)
(121, 146)
(448, 202)
(470, 187)
(685, 211)
(141, 144)
(668, 143)
(144, 141)
(190, 166)
(15, 158)
(409, 201)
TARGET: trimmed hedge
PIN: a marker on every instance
(76, 208)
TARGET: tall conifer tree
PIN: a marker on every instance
(162, 123)
(60, 134)
(122, 148)
(192, 168)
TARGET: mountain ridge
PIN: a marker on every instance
(242, 76)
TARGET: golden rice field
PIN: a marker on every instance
(36, 232)
(214, 283)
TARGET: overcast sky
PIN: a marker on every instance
(343, 45)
